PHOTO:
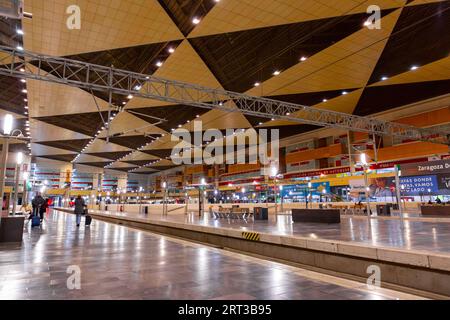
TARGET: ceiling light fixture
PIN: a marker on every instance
(20, 48)
(159, 64)
(276, 72)
(324, 100)
(196, 20)
(20, 31)
(414, 68)
(171, 50)
(303, 58)
(384, 78)
(344, 93)
(257, 84)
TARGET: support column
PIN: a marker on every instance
(3, 166)
(350, 152)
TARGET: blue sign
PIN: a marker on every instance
(419, 185)
(301, 189)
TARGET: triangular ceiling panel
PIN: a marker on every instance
(110, 155)
(12, 97)
(382, 98)
(100, 145)
(104, 25)
(348, 63)
(59, 157)
(38, 149)
(241, 59)
(438, 70)
(183, 12)
(127, 124)
(132, 142)
(42, 131)
(84, 123)
(70, 145)
(50, 99)
(175, 115)
(237, 15)
(420, 37)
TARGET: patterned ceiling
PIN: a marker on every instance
(311, 52)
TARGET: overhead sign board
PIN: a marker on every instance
(425, 168)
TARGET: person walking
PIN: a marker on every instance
(37, 203)
(43, 209)
(79, 208)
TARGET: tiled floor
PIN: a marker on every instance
(117, 262)
(417, 235)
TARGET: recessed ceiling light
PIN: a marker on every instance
(276, 72)
(366, 23)
(23, 80)
(130, 97)
(171, 50)
(414, 68)
(19, 48)
(384, 78)
(24, 90)
(26, 107)
(20, 31)
(344, 92)
(197, 116)
(257, 84)
(22, 70)
(124, 103)
(303, 58)
(324, 100)
(196, 20)
(138, 87)
(288, 114)
(26, 100)
(260, 123)
(159, 64)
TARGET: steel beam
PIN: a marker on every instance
(24, 64)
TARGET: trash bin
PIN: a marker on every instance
(106, 208)
(260, 213)
(146, 210)
(383, 209)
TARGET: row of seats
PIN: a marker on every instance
(233, 213)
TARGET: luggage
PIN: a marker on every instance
(35, 221)
(88, 220)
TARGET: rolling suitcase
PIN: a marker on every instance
(88, 220)
(35, 221)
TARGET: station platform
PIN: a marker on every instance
(416, 257)
(118, 262)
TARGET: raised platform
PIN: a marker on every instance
(417, 258)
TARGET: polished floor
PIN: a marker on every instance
(117, 262)
(429, 236)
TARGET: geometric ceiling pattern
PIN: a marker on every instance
(310, 52)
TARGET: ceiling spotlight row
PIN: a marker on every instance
(278, 72)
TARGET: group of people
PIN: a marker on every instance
(38, 207)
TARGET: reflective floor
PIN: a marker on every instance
(417, 235)
(117, 262)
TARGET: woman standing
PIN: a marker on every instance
(79, 208)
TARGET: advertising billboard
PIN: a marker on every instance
(419, 185)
